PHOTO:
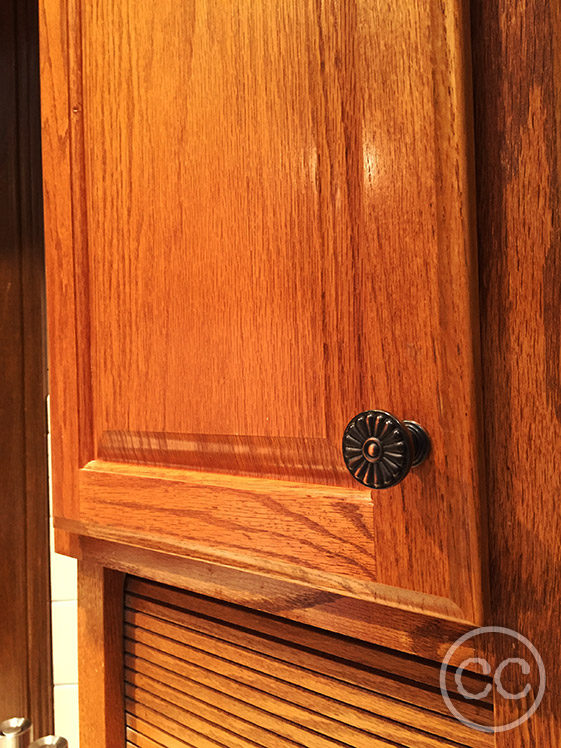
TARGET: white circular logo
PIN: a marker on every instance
(486, 670)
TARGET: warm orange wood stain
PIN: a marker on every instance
(260, 224)
(331, 602)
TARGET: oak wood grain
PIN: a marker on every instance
(259, 224)
(303, 524)
(58, 190)
(146, 735)
(67, 543)
(250, 724)
(363, 709)
(189, 630)
(302, 725)
(341, 611)
(168, 719)
(147, 597)
(100, 656)
(182, 646)
(141, 741)
(517, 54)
(325, 194)
(289, 529)
(324, 583)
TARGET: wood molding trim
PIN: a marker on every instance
(517, 69)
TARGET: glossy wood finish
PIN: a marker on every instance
(289, 193)
(12, 620)
(100, 660)
(238, 514)
(341, 612)
(334, 551)
(518, 114)
(55, 44)
(254, 191)
(25, 637)
(293, 684)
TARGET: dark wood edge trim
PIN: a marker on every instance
(455, 59)
(34, 374)
(481, 541)
(516, 46)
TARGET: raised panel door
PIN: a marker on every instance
(259, 224)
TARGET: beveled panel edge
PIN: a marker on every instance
(235, 482)
(278, 457)
(396, 604)
(263, 521)
(104, 510)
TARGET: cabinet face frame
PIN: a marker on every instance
(100, 656)
(517, 94)
(74, 445)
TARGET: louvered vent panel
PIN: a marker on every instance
(208, 674)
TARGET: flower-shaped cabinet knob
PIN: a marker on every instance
(379, 449)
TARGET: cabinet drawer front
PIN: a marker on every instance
(259, 224)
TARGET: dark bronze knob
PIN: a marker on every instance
(379, 449)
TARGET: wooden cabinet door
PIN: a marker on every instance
(259, 224)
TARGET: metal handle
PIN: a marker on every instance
(54, 741)
(379, 449)
(16, 732)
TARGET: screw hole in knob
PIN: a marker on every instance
(379, 450)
